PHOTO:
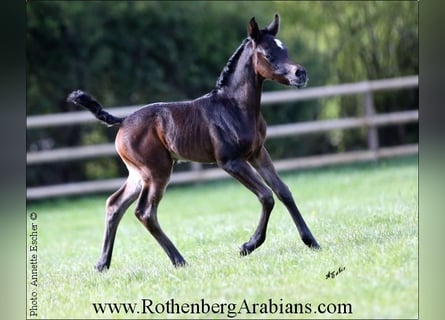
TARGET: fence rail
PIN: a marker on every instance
(370, 120)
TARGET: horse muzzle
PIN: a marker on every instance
(298, 76)
(292, 75)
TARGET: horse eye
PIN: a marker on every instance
(268, 56)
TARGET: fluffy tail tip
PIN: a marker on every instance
(74, 96)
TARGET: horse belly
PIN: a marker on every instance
(193, 146)
(187, 138)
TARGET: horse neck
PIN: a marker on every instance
(245, 86)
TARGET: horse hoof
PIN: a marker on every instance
(180, 263)
(245, 250)
(101, 267)
(311, 243)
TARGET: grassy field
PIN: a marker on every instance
(364, 217)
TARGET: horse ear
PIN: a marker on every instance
(274, 26)
(254, 31)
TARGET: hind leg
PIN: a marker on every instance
(146, 212)
(156, 175)
(116, 206)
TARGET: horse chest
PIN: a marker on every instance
(238, 136)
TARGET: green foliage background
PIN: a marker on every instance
(130, 53)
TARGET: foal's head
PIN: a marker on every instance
(271, 60)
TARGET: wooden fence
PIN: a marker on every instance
(370, 120)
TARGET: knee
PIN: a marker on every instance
(147, 217)
(229, 166)
(138, 213)
(142, 210)
(111, 210)
(267, 200)
(284, 194)
(109, 205)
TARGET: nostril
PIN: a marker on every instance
(301, 73)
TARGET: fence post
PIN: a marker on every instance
(197, 168)
(373, 138)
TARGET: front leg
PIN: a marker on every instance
(264, 166)
(243, 172)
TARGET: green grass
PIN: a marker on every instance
(364, 217)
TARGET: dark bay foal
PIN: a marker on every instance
(224, 126)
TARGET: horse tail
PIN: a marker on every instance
(79, 97)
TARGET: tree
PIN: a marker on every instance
(137, 52)
(357, 41)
